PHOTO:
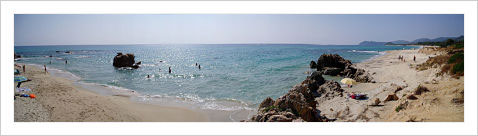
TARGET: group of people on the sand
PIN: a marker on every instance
(400, 57)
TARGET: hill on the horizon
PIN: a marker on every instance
(439, 39)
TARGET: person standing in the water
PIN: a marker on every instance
(199, 66)
(66, 61)
(45, 69)
(169, 70)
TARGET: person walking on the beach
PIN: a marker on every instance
(45, 69)
(414, 57)
(169, 70)
(23, 68)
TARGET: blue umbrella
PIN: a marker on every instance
(20, 78)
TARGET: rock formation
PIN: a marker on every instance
(313, 64)
(16, 56)
(125, 60)
(335, 65)
(299, 103)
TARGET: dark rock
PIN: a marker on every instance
(391, 97)
(412, 97)
(332, 60)
(69, 52)
(331, 71)
(121, 60)
(335, 65)
(420, 89)
(314, 81)
(313, 64)
(16, 56)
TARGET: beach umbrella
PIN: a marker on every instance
(348, 81)
(20, 78)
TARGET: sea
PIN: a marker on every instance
(232, 76)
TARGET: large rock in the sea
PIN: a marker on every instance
(313, 64)
(332, 60)
(125, 60)
(335, 65)
(332, 71)
(16, 56)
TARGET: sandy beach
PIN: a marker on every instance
(389, 74)
(59, 100)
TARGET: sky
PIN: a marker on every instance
(325, 29)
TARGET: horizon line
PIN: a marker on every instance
(183, 44)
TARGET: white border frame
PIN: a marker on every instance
(468, 8)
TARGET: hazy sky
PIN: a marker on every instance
(57, 29)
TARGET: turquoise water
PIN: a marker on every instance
(243, 73)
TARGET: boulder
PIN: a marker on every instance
(391, 97)
(313, 64)
(331, 71)
(16, 56)
(314, 81)
(332, 60)
(420, 89)
(124, 60)
(335, 65)
(411, 97)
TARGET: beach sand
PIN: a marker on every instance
(389, 73)
(59, 100)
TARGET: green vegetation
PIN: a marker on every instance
(452, 62)
(458, 68)
(456, 58)
(398, 108)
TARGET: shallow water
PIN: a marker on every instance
(232, 77)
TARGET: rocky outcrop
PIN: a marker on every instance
(332, 60)
(329, 90)
(335, 65)
(125, 60)
(16, 56)
(297, 105)
(313, 64)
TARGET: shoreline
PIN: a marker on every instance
(62, 101)
(134, 97)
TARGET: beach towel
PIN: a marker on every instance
(20, 78)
